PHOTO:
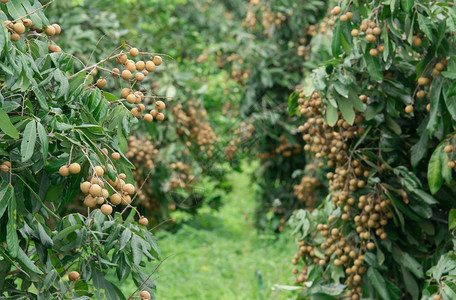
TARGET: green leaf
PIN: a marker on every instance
(335, 44)
(125, 238)
(293, 103)
(65, 232)
(378, 283)
(373, 66)
(6, 126)
(50, 279)
(28, 141)
(136, 249)
(452, 220)
(11, 234)
(4, 199)
(426, 26)
(435, 93)
(63, 85)
(103, 285)
(331, 115)
(41, 99)
(449, 290)
(346, 108)
(407, 5)
(434, 173)
(44, 140)
(27, 262)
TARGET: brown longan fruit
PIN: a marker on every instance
(448, 148)
(115, 72)
(19, 28)
(143, 221)
(15, 37)
(4, 168)
(423, 81)
(105, 193)
(139, 76)
(131, 98)
(126, 200)
(409, 109)
(377, 31)
(144, 295)
(148, 118)
(145, 72)
(57, 28)
(7, 163)
(116, 199)
(370, 38)
(343, 18)
(122, 59)
(95, 190)
(27, 23)
(349, 15)
(50, 30)
(73, 276)
(101, 83)
(373, 52)
(85, 187)
(135, 112)
(336, 10)
(160, 105)
(141, 107)
(115, 156)
(106, 209)
(90, 201)
(74, 168)
(130, 67)
(64, 171)
(129, 188)
(160, 117)
(100, 200)
(416, 41)
(370, 246)
(99, 171)
(150, 66)
(439, 66)
(355, 33)
(134, 52)
(140, 65)
(126, 75)
(54, 49)
(154, 113)
(157, 60)
(125, 92)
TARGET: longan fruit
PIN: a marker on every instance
(57, 28)
(448, 148)
(19, 28)
(129, 188)
(423, 81)
(115, 72)
(135, 112)
(349, 15)
(343, 18)
(73, 276)
(160, 105)
(126, 75)
(377, 31)
(64, 171)
(148, 118)
(99, 171)
(105, 151)
(95, 190)
(8, 24)
(160, 117)
(85, 187)
(126, 199)
(139, 76)
(130, 67)
(157, 60)
(139, 95)
(116, 199)
(75, 168)
(140, 65)
(101, 83)
(141, 107)
(122, 176)
(105, 193)
(15, 37)
(416, 41)
(336, 10)
(90, 201)
(131, 98)
(115, 156)
(355, 33)
(381, 48)
(145, 72)
(154, 113)
(143, 221)
(4, 168)
(100, 200)
(122, 59)
(150, 66)
(370, 246)
(134, 52)
(27, 23)
(50, 30)
(125, 92)
(370, 38)
(373, 52)
(106, 209)
(144, 295)
(439, 66)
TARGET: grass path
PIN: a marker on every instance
(221, 255)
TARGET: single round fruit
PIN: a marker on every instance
(423, 81)
(145, 72)
(100, 200)
(123, 59)
(7, 163)
(140, 65)
(160, 117)
(141, 107)
(131, 98)
(349, 15)
(144, 295)
(377, 31)
(134, 52)
(143, 221)
(106, 209)
(57, 28)
(64, 171)
(115, 156)
(19, 28)
(95, 190)
(116, 199)
(157, 60)
(135, 112)
(101, 83)
(4, 168)
(421, 94)
(150, 66)
(129, 188)
(148, 118)
(99, 171)
(125, 92)
(75, 168)
(50, 30)
(105, 193)
(126, 75)
(85, 187)
(370, 38)
(448, 148)
(115, 72)
(15, 37)
(73, 276)
(417, 41)
(373, 52)
(139, 76)
(90, 201)
(160, 105)
(336, 10)
(343, 18)
(130, 67)
(154, 113)
(27, 23)
(126, 199)
(355, 32)
(437, 297)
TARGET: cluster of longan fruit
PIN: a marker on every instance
(192, 117)
(241, 134)
(21, 26)
(5, 167)
(183, 177)
(285, 149)
(305, 191)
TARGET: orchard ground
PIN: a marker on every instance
(220, 255)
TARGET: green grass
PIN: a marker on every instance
(220, 254)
